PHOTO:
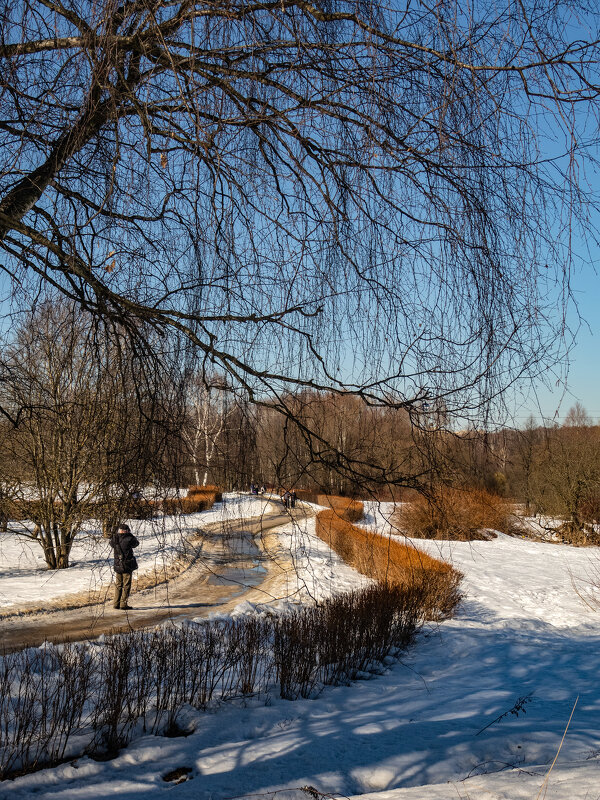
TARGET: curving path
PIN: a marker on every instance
(232, 562)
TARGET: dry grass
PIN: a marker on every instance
(388, 561)
(458, 514)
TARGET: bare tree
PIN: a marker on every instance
(571, 475)
(527, 458)
(338, 195)
(209, 412)
(87, 427)
(306, 450)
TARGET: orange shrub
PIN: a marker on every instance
(450, 513)
(388, 561)
(194, 502)
(350, 510)
(205, 493)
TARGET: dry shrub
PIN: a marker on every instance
(459, 514)
(390, 562)
(56, 702)
(352, 510)
(342, 638)
(43, 694)
(295, 654)
(209, 492)
(343, 507)
(578, 534)
(192, 504)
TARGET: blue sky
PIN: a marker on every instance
(579, 378)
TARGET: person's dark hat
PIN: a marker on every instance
(124, 527)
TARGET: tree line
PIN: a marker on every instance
(361, 450)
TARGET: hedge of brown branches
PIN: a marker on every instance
(388, 561)
(61, 702)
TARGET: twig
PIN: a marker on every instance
(545, 783)
(518, 706)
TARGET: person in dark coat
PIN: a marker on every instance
(123, 542)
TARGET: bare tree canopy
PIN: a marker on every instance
(90, 426)
(329, 195)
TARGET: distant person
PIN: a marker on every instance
(293, 498)
(287, 498)
(123, 542)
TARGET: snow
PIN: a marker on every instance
(317, 572)
(24, 576)
(435, 726)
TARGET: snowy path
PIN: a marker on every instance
(24, 577)
(235, 562)
(435, 727)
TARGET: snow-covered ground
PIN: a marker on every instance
(437, 726)
(317, 572)
(24, 576)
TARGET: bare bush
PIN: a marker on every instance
(578, 534)
(114, 712)
(200, 492)
(295, 654)
(450, 513)
(43, 696)
(251, 641)
(57, 699)
(186, 505)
